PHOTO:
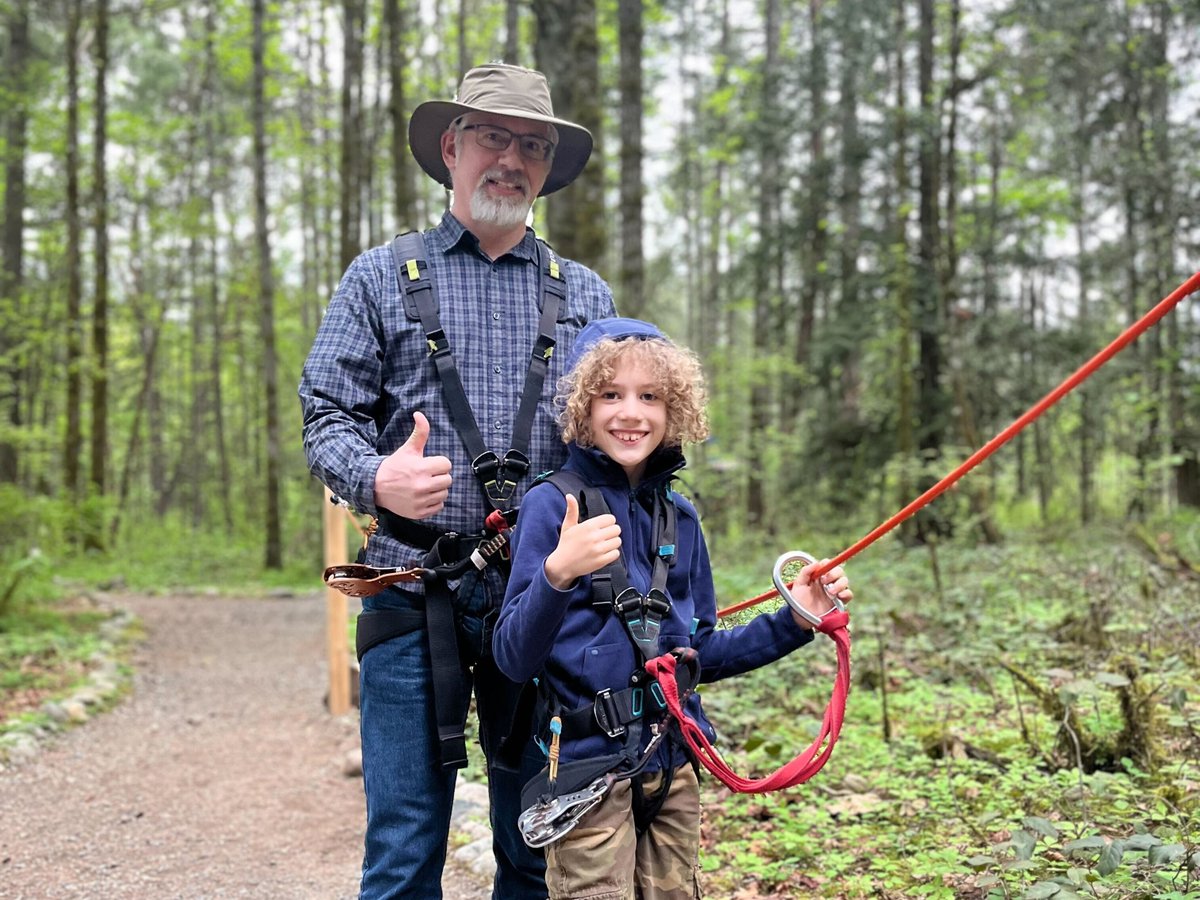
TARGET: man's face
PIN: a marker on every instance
(494, 187)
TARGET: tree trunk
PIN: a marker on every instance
(906, 445)
(765, 296)
(402, 184)
(512, 32)
(931, 406)
(848, 348)
(1043, 460)
(351, 166)
(977, 489)
(74, 323)
(568, 52)
(212, 312)
(1083, 269)
(12, 242)
(632, 266)
(266, 289)
(814, 234)
(99, 436)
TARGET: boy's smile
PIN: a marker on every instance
(629, 417)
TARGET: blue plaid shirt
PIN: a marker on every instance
(368, 371)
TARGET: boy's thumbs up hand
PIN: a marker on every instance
(408, 482)
(583, 547)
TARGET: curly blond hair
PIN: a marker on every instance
(676, 372)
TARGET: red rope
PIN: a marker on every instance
(1124, 339)
(804, 766)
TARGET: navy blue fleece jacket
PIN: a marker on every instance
(580, 649)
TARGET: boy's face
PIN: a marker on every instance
(628, 417)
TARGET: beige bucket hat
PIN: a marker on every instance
(506, 91)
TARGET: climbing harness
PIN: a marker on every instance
(450, 556)
(555, 801)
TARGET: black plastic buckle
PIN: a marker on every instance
(543, 348)
(605, 712)
(602, 590)
(437, 343)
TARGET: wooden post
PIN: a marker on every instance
(336, 612)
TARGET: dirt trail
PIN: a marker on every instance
(219, 777)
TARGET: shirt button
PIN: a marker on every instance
(498, 425)
(496, 316)
(595, 652)
(496, 369)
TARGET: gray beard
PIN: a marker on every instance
(499, 211)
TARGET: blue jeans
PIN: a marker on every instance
(410, 795)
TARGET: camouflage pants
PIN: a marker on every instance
(603, 859)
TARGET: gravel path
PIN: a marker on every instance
(219, 777)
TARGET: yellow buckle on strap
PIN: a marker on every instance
(413, 273)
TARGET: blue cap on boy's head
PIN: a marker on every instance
(616, 328)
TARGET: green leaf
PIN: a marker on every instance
(1022, 843)
(1164, 854)
(1112, 679)
(1040, 825)
(1095, 842)
(1022, 865)
(1110, 858)
(1141, 841)
(1041, 890)
(981, 862)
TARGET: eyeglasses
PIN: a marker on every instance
(495, 137)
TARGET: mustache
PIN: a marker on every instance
(508, 176)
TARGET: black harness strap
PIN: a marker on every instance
(375, 626)
(499, 477)
(450, 686)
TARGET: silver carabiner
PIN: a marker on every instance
(780, 585)
(546, 822)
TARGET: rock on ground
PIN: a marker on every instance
(221, 776)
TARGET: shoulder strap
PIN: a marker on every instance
(611, 589)
(498, 477)
(612, 580)
(552, 296)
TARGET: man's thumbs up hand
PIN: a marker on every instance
(408, 482)
(583, 547)
(420, 434)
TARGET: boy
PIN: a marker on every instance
(631, 400)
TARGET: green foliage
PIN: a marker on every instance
(978, 793)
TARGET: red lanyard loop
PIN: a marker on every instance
(804, 766)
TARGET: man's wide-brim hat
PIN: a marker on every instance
(504, 91)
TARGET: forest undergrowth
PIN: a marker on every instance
(1023, 723)
(1024, 720)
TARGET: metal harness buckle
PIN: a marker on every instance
(605, 712)
(548, 820)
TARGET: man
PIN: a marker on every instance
(384, 430)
